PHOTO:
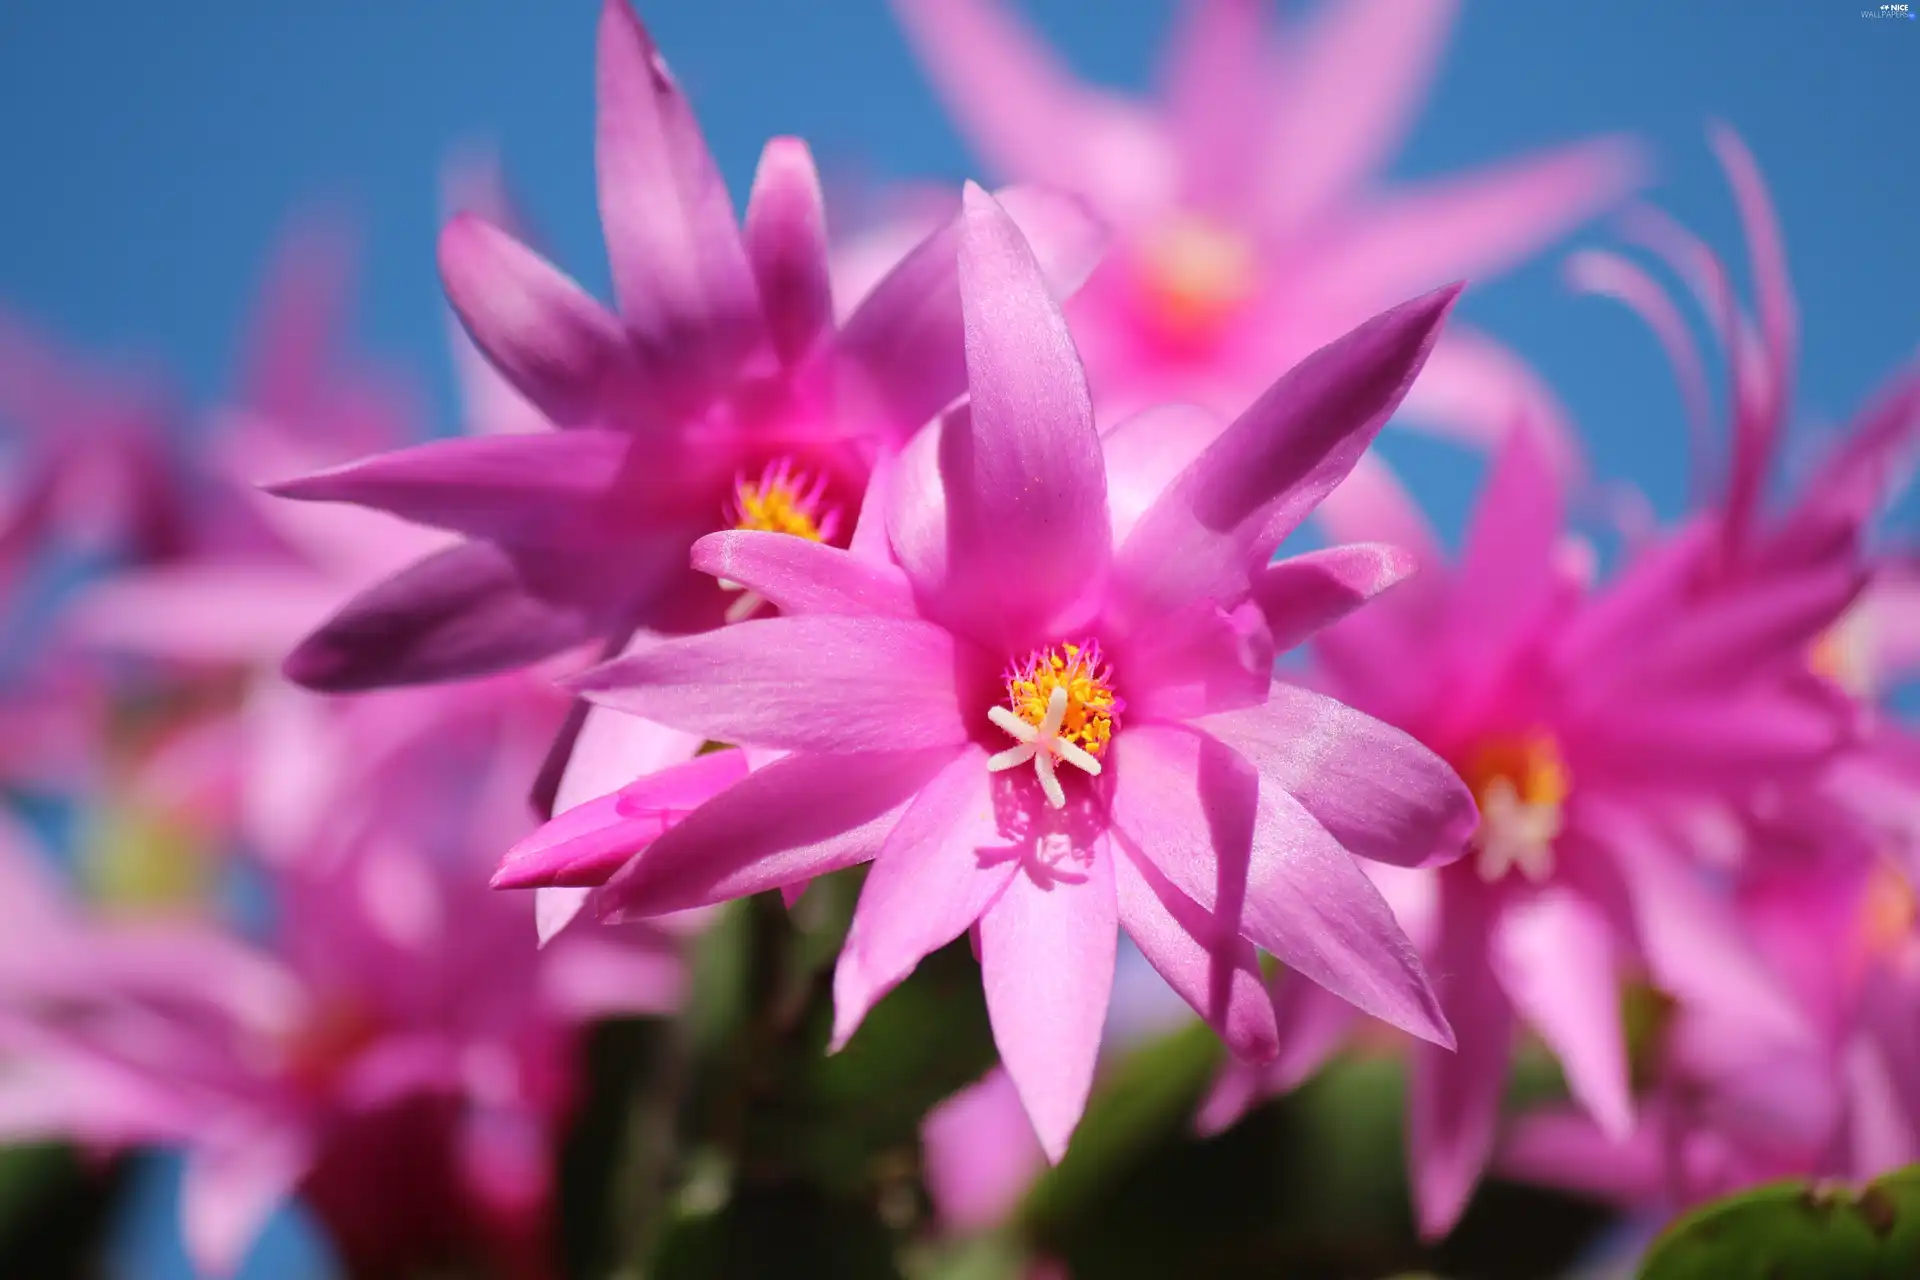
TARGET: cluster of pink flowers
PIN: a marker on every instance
(975, 578)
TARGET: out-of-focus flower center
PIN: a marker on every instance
(785, 499)
(1888, 913)
(327, 1042)
(1520, 784)
(1843, 653)
(1194, 276)
(142, 861)
(1060, 707)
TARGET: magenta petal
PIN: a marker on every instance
(545, 489)
(679, 269)
(811, 683)
(802, 576)
(1046, 960)
(1305, 593)
(799, 817)
(1712, 741)
(1453, 1099)
(942, 866)
(979, 1154)
(1206, 962)
(470, 610)
(1375, 789)
(786, 239)
(588, 843)
(1222, 518)
(1508, 570)
(1555, 957)
(1563, 1148)
(550, 339)
(1249, 853)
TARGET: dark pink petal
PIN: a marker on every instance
(1305, 593)
(470, 610)
(786, 239)
(1374, 788)
(547, 489)
(1047, 951)
(799, 817)
(679, 270)
(1212, 967)
(979, 1154)
(586, 844)
(1250, 854)
(1555, 956)
(543, 332)
(904, 350)
(1453, 1099)
(1508, 571)
(1640, 601)
(1851, 486)
(1222, 518)
(810, 683)
(942, 866)
(1349, 90)
(803, 576)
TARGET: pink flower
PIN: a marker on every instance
(1247, 233)
(1055, 714)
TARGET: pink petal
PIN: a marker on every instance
(942, 866)
(614, 974)
(979, 1154)
(586, 844)
(1508, 572)
(1203, 959)
(1555, 957)
(1218, 76)
(1717, 742)
(799, 817)
(1376, 790)
(1046, 960)
(1349, 93)
(802, 576)
(811, 683)
(611, 749)
(1453, 1099)
(1224, 515)
(1305, 593)
(786, 240)
(1145, 452)
(679, 269)
(552, 341)
(1475, 390)
(1249, 853)
(1773, 285)
(1563, 1148)
(1639, 602)
(208, 611)
(230, 1187)
(555, 909)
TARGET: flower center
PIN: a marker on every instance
(1888, 913)
(1194, 276)
(339, 1030)
(1521, 785)
(1060, 706)
(785, 499)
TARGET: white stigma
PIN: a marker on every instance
(1514, 833)
(1042, 745)
(746, 606)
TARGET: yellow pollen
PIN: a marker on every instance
(1520, 784)
(1196, 274)
(1530, 765)
(784, 500)
(1091, 703)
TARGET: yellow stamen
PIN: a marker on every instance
(1195, 275)
(1521, 785)
(785, 500)
(1060, 706)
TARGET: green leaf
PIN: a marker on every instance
(777, 1230)
(1787, 1230)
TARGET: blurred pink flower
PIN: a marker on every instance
(1055, 714)
(1248, 229)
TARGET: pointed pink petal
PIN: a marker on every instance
(1217, 78)
(1224, 515)
(586, 844)
(1508, 572)
(1772, 284)
(1349, 91)
(1313, 1024)
(1145, 452)
(555, 909)
(1453, 1099)
(1372, 787)
(802, 576)
(230, 1187)
(679, 269)
(552, 341)
(1046, 960)
(786, 239)
(1305, 593)
(979, 1154)
(812, 683)
(1563, 1148)
(1555, 957)
(1640, 601)
(928, 885)
(799, 817)
(546, 489)
(1249, 853)
(1205, 961)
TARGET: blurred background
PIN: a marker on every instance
(154, 153)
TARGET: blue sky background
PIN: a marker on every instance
(152, 152)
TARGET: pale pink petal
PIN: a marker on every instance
(799, 817)
(1376, 790)
(1475, 389)
(1772, 284)
(802, 576)
(942, 866)
(1218, 76)
(1145, 452)
(979, 1154)
(612, 748)
(231, 1186)
(1563, 1148)
(1555, 957)
(786, 238)
(1047, 950)
(208, 611)
(555, 909)
(1305, 593)
(611, 974)
(816, 682)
